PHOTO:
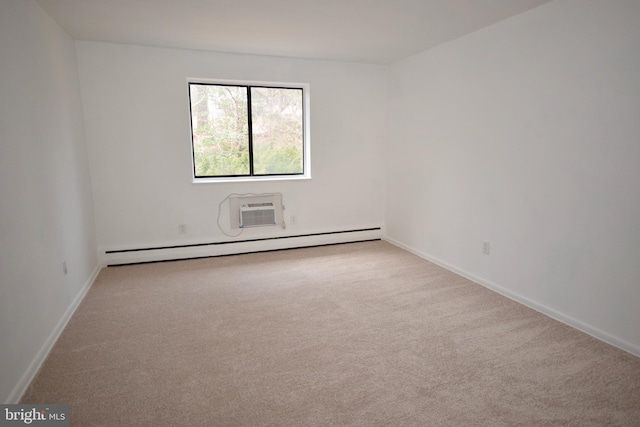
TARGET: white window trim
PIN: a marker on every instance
(306, 96)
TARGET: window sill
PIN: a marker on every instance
(250, 179)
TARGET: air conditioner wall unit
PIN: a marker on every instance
(255, 210)
(257, 214)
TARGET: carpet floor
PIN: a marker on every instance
(362, 334)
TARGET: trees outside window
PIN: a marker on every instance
(243, 130)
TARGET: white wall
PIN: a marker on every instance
(137, 119)
(527, 134)
(46, 214)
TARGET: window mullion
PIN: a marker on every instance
(250, 123)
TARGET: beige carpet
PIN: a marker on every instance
(360, 334)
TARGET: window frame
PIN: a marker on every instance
(306, 151)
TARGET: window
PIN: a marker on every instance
(240, 130)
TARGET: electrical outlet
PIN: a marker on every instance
(293, 219)
(486, 248)
(64, 267)
(182, 228)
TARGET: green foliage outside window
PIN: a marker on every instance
(224, 141)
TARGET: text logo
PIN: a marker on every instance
(54, 415)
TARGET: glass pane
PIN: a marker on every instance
(276, 116)
(220, 130)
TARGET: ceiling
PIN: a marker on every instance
(372, 31)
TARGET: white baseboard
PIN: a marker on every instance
(541, 308)
(260, 244)
(38, 360)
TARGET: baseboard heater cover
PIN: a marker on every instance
(243, 253)
(237, 247)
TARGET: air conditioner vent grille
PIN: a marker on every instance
(257, 214)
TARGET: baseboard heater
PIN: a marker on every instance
(199, 250)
